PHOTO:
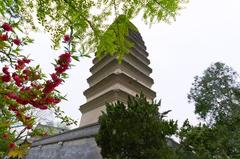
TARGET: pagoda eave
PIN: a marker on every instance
(118, 81)
(109, 97)
(128, 58)
(114, 67)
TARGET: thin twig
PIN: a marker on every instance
(19, 135)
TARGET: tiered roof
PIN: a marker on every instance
(111, 81)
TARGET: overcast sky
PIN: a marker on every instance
(205, 32)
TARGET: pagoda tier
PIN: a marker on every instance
(125, 67)
(111, 81)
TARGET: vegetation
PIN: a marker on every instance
(77, 25)
(23, 90)
(89, 19)
(138, 130)
(135, 130)
(217, 102)
(216, 93)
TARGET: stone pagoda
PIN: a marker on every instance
(111, 81)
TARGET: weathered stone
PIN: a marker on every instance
(74, 144)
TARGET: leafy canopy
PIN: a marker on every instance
(89, 19)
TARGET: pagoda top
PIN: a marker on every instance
(120, 36)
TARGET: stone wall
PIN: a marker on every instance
(74, 144)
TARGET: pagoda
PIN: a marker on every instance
(111, 81)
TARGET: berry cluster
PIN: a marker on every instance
(27, 85)
(4, 37)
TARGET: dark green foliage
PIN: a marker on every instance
(216, 93)
(220, 141)
(217, 100)
(135, 131)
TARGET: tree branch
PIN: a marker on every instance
(11, 60)
(19, 135)
(83, 17)
(163, 7)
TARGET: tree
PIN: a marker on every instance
(23, 89)
(220, 141)
(217, 101)
(216, 93)
(135, 130)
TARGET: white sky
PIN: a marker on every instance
(206, 31)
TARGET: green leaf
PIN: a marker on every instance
(76, 58)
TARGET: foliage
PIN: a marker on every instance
(136, 130)
(19, 152)
(88, 19)
(216, 93)
(216, 97)
(24, 88)
(112, 37)
(220, 141)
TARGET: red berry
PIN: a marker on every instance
(12, 108)
(17, 41)
(18, 113)
(22, 101)
(26, 71)
(43, 107)
(65, 58)
(15, 76)
(5, 136)
(7, 27)
(57, 100)
(29, 126)
(11, 145)
(12, 95)
(66, 38)
(17, 79)
(4, 37)
(6, 78)
(25, 60)
(20, 65)
(5, 70)
(54, 76)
